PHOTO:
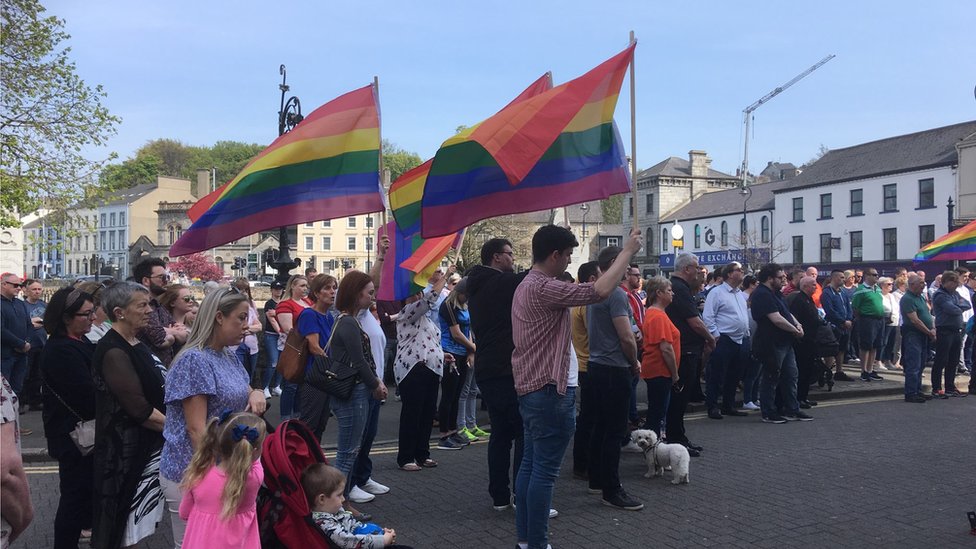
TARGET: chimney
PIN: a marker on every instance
(698, 162)
(203, 183)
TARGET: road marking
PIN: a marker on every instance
(41, 470)
(391, 450)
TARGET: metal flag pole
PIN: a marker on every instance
(633, 136)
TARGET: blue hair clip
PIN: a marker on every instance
(242, 431)
(224, 416)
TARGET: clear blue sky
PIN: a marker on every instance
(205, 71)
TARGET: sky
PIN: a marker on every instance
(206, 71)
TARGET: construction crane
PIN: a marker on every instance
(747, 112)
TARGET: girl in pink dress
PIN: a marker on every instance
(221, 485)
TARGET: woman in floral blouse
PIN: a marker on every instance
(418, 369)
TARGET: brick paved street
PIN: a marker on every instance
(870, 472)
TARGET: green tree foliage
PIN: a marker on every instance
(173, 158)
(398, 160)
(612, 209)
(48, 115)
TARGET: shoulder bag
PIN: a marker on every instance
(294, 355)
(83, 434)
(330, 375)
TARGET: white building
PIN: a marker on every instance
(872, 204)
(334, 245)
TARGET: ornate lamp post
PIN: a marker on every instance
(289, 115)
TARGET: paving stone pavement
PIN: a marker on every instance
(868, 472)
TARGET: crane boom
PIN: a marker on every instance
(749, 110)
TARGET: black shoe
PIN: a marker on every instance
(773, 419)
(875, 376)
(811, 402)
(734, 413)
(956, 393)
(621, 500)
(925, 396)
(691, 446)
(693, 453)
(798, 416)
(714, 413)
(841, 376)
(865, 376)
(940, 395)
(917, 399)
(804, 405)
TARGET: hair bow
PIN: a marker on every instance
(224, 416)
(242, 431)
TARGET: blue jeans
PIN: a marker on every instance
(468, 403)
(363, 468)
(658, 398)
(779, 373)
(271, 377)
(248, 360)
(289, 405)
(351, 415)
(913, 349)
(549, 421)
(750, 377)
(888, 344)
(15, 370)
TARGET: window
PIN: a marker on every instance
(327, 223)
(111, 240)
(857, 202)
(890, 198)
(351, 223)
(797, 250)
(111, 218)
(172, 235)
(725, 233)
(613, 241)
(309, 225)
(351, 244)
(102, 224)
(630, 205)
(326, 243)
(798, 209)
(765, 229)
(857, 246)
(122, 239)
(742, 231)
(308, 243)
(86, 243)
(826, 206)
(102, 238)
(825, 248)
(664, 240)
(926, 193)
(649, 241)
(697, 236)
(926, 234)
(890, 244)
(369, 222)
(369, 242)
(649, 207)
(122, 218)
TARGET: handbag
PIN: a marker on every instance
(294, 356)
(83, 434)
(330, 375)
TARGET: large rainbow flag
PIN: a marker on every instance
(397, 282)
(326, 167)
(959, 245)
(557, 148)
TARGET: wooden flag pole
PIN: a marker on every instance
(460, 245)
(633, 137)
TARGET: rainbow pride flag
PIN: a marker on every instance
(558, 148)
(959, 245)
(326, 167)
(397, 282)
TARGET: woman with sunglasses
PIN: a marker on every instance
(69, 397)
(178, 302)
(206, 379)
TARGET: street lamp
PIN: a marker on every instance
(289, 115)
(585, 208)
(746, 193)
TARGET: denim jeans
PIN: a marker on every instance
(506, 433)
(887, 353)
(351, 416)
(468, 403)
(549, 421)
(658, 398)
(584, 425)
(249, 361)
(750, 377)
(724, 372)
(913, 359)
(778, 375)
(271, 377)
(15, 370)
(363, 468)
(289, 405)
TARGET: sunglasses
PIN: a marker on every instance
(189, 299)
(89, 314)
(21, 285)
(164, 278)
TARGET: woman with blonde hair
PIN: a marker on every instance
(205, 379)
(455, 324)
(176, 299)
(286, 314)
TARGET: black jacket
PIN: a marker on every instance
(490, 294)
(66, 369)
(805, 312)
(15, 324)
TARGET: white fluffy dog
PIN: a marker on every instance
(661, 454)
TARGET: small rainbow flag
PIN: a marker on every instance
(396, 282)
(326, 167)
(959, 245)
(557, 148)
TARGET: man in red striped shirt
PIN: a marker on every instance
(544, 381)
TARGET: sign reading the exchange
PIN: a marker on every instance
(720, 257)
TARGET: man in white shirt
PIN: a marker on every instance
(964, 292)
(726, 316)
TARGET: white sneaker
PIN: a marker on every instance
(553, 513)
(358, 495)
(267, 394)
(374, 487)
(276, 391)
(750, 406)
(631, 447)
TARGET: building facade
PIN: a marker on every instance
(336, 245)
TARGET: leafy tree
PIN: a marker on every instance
(134, 171)
(612, 209)
(48, 115)
(171, 157)
(398, 160)
(197, 265)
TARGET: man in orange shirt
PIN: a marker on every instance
(812, 272)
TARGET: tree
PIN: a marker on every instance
(398, 160)
(820, 153)
(48, 115)
(171, 157)
(197, 265)
(612, 209)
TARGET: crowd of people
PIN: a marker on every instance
(174, 389)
